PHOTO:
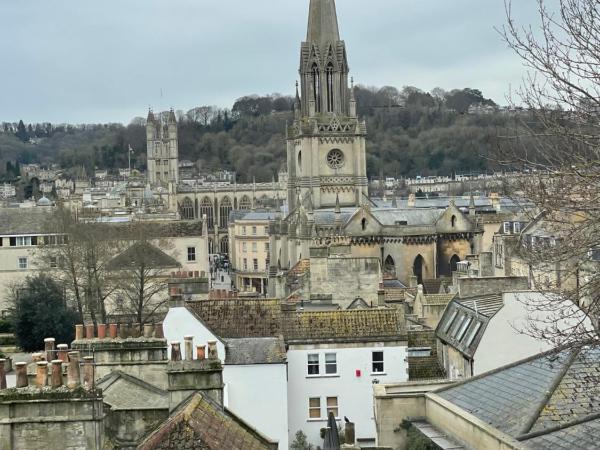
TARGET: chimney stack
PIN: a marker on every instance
(73, 376)
(41, 374)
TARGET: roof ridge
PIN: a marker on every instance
(548, 395)
(560, 427)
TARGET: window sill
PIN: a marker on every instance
(332, 375)
(378, 374)
(322, 420)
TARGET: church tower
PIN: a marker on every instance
(162, 149)
(326, 144)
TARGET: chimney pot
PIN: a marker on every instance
(101, 331)
(148, 330)
(113, 331)
(88, 372)
(135, 331)
(57, 375)
(49, 348)
(21, 369)
(212, 350)
(175, 351)
(38, 357)
(2, 374)
(89, 331)
(41, 374)
(73, 376)
(158, 330)
(189, 348)
(63, 350)
(124, 331)
(78, 332)
(200, 352)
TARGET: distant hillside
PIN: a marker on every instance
(411, 132)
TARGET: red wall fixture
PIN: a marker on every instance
(358, 373)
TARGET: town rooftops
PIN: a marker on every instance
(262, 318)
(24, 221)
(124, 392)
(549, 401)
(465, 319)
(202, 423)
(345, 325)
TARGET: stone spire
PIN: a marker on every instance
(150, 115)
(322, 22)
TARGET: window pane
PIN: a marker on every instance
(313, 364)
(332, 406)
(314, 408)
(377, 362)
(330, 363)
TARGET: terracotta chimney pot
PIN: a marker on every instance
(200, 352)
(49, 347)
(148, 330)
(212, 350)
(124, 332)
(89, 331)
(189, 348)
(88, 372)
(78, 332)
(57, 376)
(158, 330)
(175, 351)
(73, 376)
(63, 351)
(101, 331)
(21, 369)
(113, 331)
(41, 374)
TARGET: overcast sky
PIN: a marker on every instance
(84, 61)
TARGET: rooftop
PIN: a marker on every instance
(246, 351)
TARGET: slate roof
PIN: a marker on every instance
(24, 221)
(389, 217)
(152, 256)
(239, 318)
(124, 392)
(435, 285)
(345, 325)
(202, 423)
(549, 401)
(255, 351)
(437, 299)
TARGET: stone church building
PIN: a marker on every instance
(330, 212)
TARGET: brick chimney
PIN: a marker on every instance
(195, 375)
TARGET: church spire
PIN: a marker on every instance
(322, 22)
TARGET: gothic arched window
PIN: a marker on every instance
(245, 203)
(224, 212)
(316, 81)
(206, 209)
(330, 87)
(187, 209)
(225, 245)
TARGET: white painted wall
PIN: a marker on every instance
(258, 394)
(506, 339)
(355, 394)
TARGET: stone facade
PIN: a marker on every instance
(162, 150)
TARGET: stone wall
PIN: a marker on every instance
(32, 419)
(469, 287)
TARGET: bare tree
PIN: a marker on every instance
(557, 145)
(141, 273)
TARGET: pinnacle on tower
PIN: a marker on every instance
(150, 115)
(322, 22)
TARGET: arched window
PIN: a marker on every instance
(211, 246)
(418, 268)
(363, 224)
(245, 203)
(225, 245)
(224, 212)
(453, 220)
(389, 267)
(187, 209)
(316, 82)
(299, 162)
(206, 209)
(454, 263)
(330, 87)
